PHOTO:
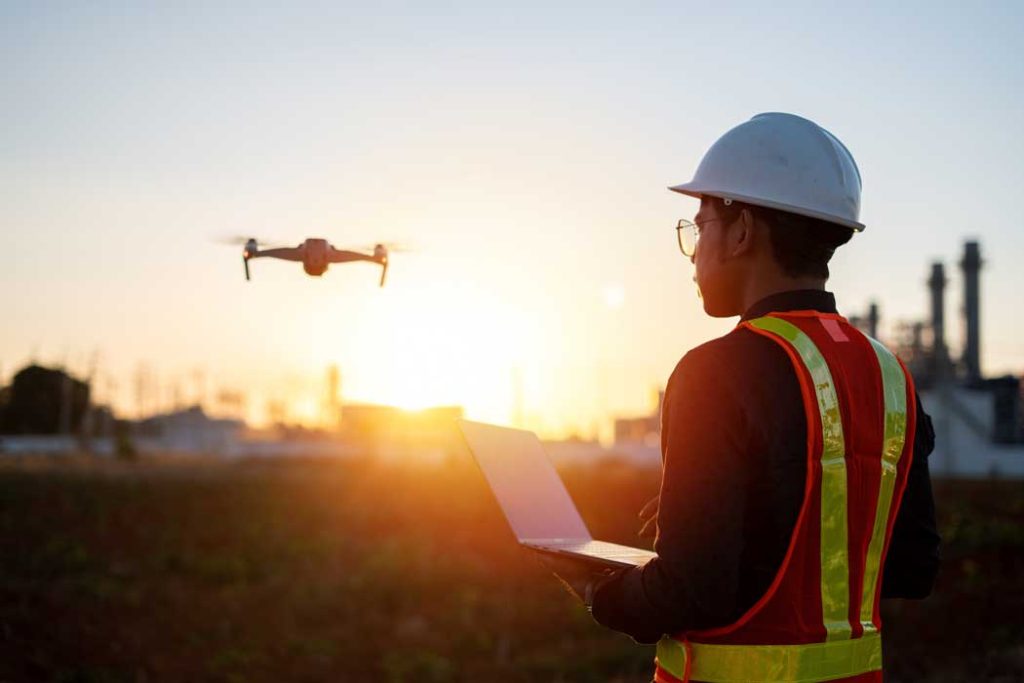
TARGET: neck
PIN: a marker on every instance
(766, 284)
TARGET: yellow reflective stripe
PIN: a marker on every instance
(894, 391)
(670, 655)
(773, 663)
(835, 572)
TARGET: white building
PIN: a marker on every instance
(964, 422)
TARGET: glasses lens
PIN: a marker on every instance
(687, 234)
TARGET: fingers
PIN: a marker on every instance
(570, 588)
(649, 515)
(649, 528)
(650, 508)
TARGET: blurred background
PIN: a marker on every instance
(209, 478)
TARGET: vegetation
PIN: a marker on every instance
(359, 570)
(43, 401)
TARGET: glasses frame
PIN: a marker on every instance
(687, 225)
(684, 228)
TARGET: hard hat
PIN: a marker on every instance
(783, 162)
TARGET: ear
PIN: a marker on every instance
(741, 234)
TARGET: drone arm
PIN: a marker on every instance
(285, 253)
(345, 256)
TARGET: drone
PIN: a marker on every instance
(316, 254)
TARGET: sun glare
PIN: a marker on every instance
(614, 296)
(440, 345)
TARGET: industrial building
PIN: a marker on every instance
(978, 420)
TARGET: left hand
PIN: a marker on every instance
(575, 575)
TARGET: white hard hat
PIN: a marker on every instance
(783, 162)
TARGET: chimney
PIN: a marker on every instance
(937, 283)
(873, 320)
(971, 265)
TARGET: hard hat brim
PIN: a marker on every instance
(693, 191)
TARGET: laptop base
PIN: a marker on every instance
(600, 553)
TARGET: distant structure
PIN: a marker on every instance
(938, 360)
(932, 363)
(332, 401)
(971, 267)
(639, 438)
(186, 431)
(641, 430)
(867, 324)
(978, 421)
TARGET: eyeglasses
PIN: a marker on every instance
(688, 234)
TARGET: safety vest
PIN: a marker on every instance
(819, 619)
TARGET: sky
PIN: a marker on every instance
(523, 151)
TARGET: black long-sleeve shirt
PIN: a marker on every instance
(734, 452)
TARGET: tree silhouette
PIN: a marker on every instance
(43, 401)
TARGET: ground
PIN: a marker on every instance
(309, 570)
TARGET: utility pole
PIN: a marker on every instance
(333, 399)
(88, 418)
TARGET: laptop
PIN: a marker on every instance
(534, 499)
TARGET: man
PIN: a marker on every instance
(795, 491)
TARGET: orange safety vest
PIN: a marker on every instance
(819, 619)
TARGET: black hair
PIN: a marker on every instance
(801, 245)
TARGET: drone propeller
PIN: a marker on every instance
(392, 247)
(242, 240)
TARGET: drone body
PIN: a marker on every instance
(316, 254)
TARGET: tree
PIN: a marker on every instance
(43, 401)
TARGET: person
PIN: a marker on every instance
(795, 491)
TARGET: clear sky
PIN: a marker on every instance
(523, 149)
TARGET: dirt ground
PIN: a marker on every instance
(355, 570)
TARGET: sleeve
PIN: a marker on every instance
(693, 581)
(912, 561)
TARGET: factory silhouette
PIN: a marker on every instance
(979, 421)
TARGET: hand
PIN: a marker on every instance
(649, 518)
(578, 578)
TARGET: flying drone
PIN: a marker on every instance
(316, 255)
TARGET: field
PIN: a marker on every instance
(357, 570)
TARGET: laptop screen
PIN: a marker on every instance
(525, 482)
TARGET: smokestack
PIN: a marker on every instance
(937, 284)
(971, 265)
(873, 320)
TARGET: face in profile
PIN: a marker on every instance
(712, 271)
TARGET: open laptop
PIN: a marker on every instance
(534, 500)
